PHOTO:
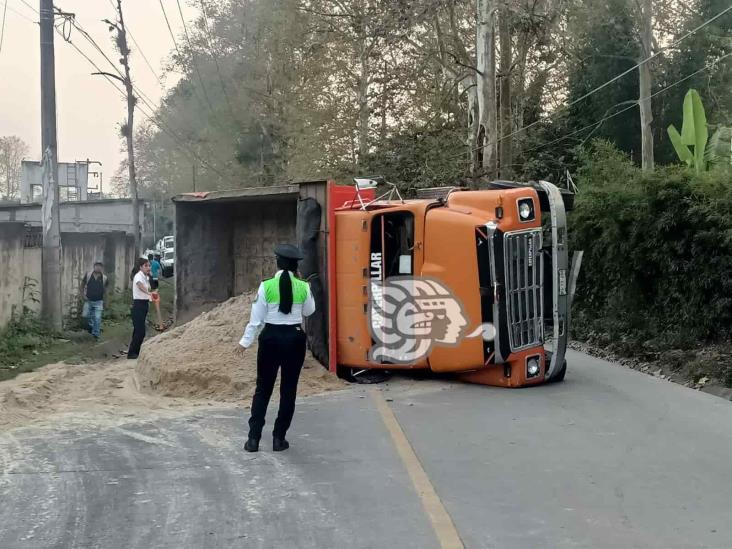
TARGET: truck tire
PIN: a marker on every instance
(561, 373)
(362, 377)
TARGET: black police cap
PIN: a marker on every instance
(288, 251)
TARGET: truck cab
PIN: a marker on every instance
(471, 282)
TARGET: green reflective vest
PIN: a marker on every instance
(272, 290)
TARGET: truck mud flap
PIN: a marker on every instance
(561, 278)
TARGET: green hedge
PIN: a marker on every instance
(657, 270)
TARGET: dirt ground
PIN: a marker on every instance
(190, 366)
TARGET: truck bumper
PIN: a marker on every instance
(564, 281)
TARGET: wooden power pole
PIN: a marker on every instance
(645, 80)
(51, 301)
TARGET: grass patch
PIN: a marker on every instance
(26, 344)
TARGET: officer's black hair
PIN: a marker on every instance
(288, 266)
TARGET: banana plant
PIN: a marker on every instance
(691, 143)
(719, 148)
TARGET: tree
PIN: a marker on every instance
(486, 69)
(120, 41)
(704, 48)
(12, 151)
(605, 45)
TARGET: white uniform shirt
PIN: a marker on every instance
(137, 293)
(268, 313)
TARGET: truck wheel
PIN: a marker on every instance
(345, 373)
(561, 373)
(362, 377)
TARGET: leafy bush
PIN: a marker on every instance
(23, 334)
(657, 270)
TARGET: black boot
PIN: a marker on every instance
(279, 444)
(252, 445)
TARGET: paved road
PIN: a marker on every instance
(610, 458)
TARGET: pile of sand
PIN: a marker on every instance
(81, 393)
(197, 360)
(193, 365)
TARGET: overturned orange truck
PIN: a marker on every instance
(474, 282)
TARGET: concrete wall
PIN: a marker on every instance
(226, 248)
(11, 278)
(74, 174)
(20, 267)
(97, 216)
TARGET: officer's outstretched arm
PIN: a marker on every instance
(256, 318)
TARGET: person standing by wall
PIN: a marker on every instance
(142, 294)
(281, 304)
(94, 285)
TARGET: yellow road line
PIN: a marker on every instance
(439, 518)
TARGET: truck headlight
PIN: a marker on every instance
(533, 367)
(526, 209)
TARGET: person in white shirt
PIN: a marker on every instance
(141, 297)
(280, 305)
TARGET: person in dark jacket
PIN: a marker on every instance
(94, 285)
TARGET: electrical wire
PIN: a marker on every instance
(149, 103)
(214, 56)
(182, 146)
(21, 14)
(170, 29)
(193, 56)
(180, 55)
(596, 125)
(612, 80)
(139, 49)
(2, 29)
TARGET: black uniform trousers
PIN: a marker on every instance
(280, 346)
(139, 317)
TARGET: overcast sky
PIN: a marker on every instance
(89, 110)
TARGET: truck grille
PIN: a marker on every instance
(524, 275)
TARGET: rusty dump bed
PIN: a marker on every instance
(461, 281)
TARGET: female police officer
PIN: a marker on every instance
(281, 304)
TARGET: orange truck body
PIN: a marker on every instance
(475, 243)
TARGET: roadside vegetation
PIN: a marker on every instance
(656, 280)
(26, 343)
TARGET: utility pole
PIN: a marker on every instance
(51, 305)
(645, 80)
(193, 173)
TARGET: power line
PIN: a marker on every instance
(20, 14)
(2, 30)
(215, 57)
(177, 49)
(170, 29)
(193, 56)
(596, 125)
(612, 80)
(139, 49)
(33, 8)
(96, 46)
(150, 117)
(141, 95)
